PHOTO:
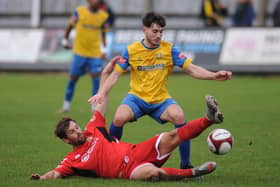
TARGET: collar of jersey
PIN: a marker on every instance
(93, 12)
(142, 42)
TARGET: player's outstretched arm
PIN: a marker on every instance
(202, 73)
(109, 78)
(72, 22)
(65, 41)
(108, 69)
(49, 175)
(102, 107)
(104, 44)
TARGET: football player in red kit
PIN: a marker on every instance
(97, 154)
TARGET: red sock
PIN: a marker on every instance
(178, 172)
(193, 128)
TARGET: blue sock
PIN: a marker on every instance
(116, 131)
(184, 150)
(70, 89)
(95, 85)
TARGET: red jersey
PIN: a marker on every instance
(103, 156)
(100, 155)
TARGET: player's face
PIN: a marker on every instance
(75, 135)
(153, 34)
(94, 3)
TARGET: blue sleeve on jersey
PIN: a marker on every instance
(178, 57)
(75, 16)
(124, 61)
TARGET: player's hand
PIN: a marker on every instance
(35, 177)
(96, 99)
(115, 60)
(65, 43)
(223, 75)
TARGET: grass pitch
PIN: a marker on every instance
(28, 103)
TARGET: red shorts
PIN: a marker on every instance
(144, 153)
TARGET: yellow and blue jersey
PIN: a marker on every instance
(150, 69)
(89, 27)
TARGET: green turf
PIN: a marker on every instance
(251, 105)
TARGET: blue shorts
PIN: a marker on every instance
(141, 107)
(81, 65)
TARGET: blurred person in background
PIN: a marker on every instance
(110, 25)
(276, 15)
(90, 24)
(111, 19)
(212, 12)
(244, 14)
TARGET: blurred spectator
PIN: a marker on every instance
(108, 25)
(276, 15)
(111, 19)
(212, 12)
(244, 14)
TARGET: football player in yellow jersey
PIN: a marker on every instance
(151, 60)
(89, 22)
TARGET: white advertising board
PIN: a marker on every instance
(251, 46)
(20, 45)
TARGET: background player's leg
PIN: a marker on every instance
(70, 88)
(175, 115)
(95, 80)
(123, 114)
(95, 66)
(95, 84)
(76, 70)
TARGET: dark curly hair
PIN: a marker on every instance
(152, 17)
(62, 126)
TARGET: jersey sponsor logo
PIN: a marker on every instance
(139, 60)
(182, 56)
(92, 27)
(86, 156)
(122, 60)
(151, 67)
